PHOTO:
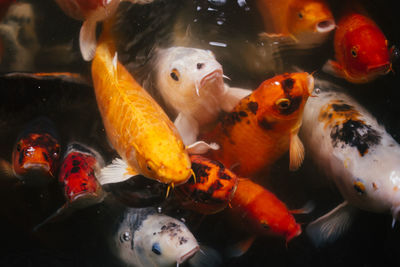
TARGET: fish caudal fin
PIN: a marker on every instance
(296, 152)
(233, 97)
(331, 226)
(240, 248)
(116, 172)
(205, 257)
(201, 147)
(187, 127)
(87, 39)
(333, 68)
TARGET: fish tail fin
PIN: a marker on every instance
(306, 209)
(117, 171)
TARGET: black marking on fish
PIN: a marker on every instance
(253, 106)
(172, 229)
(287, 85)
(21, 156)
(219, 164)
(223, 175)
(45, 156)
(200, 170)
(342, 107)
(356, 134)
(294, 105)
(75, 162)
(242, 113)
(75, 169)
(182, 240)
(232, 118)
(265, 124)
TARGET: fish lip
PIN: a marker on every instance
(188, 255)
(37, 166)
(379, 69)
(325, 26)
(210, 76)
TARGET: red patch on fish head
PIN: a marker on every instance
(366, 51)
(309, 17)
(77, 174)
(36, 152)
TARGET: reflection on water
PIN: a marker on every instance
(41, 38)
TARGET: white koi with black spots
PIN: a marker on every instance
(147, 238)
(363, 160)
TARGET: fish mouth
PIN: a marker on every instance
(187, 255)
(209, 78)
(380, 69)
(37, 166)
(325, 26)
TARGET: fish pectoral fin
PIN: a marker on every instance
(87, 39)
(206, 257)
(329, 227)
(240, 248)
(187, 127)
(116, 172)
(296, 152)
(233, 97)
(58, 215)
(334, 68)
(201, 147)
(6, 170)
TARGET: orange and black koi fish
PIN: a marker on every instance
(213, 188)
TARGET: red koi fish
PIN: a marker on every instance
(77, 176)
(37, 150)
(263, 126)
(213, 189)
(260, 212)
(361, 50)
(91, 12)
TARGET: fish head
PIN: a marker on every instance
(39, 152)
(78, 172)
(282, 98)
(366, 53)
(161, 240)
(186, 75)
(166, 161)
(311, 16)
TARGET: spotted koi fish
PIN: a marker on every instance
(77, 176)
(213, 189)
(264, 125)
(359, 155)
(260, 212)
(361, 50)
(136, 126)
(37, 150)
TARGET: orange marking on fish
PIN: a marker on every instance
(337, 113)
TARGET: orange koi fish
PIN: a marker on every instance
(261, 213)
(305, 21)
(264, 125)
(37, 150)
(136, 125)
(91, 12)
(213, 189)
(361, 50)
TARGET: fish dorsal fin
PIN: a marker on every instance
(187, 127)
(116, 172)
(329, 227)
(87, 39)
(296, 152)
(201, 147)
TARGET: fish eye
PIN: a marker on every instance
(300, 15)
(148, 168)
(354, 51)
(264, 224)
(283, 103)
(200, 66)
(126, 236)
(156, 248)
(175, 74)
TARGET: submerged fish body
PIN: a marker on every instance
(78, 173)
(264, 125)
(361, 50)
(363, 160)
(213, 189)
(91, 12)
(190, 81)
(135, 124)
(146, 238)
(306, 21)
(37, 150)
